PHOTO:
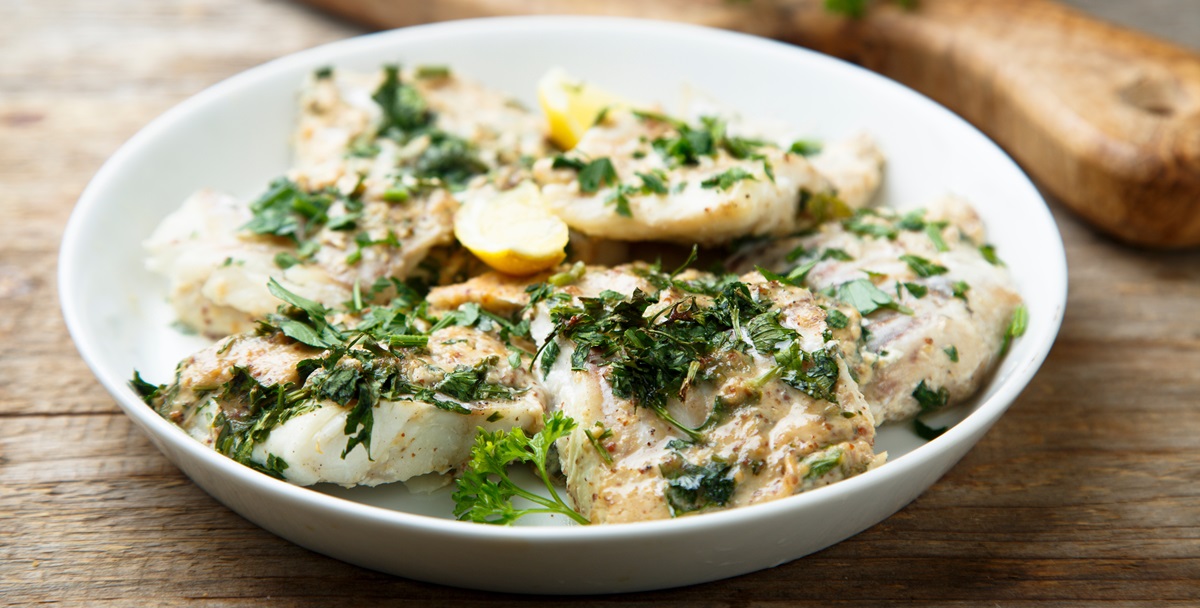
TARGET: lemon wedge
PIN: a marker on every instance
(512, 232)
(571, 106)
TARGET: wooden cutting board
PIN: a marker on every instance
(1107, 119)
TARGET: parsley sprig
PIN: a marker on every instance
(484, 493)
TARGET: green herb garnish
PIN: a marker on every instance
(805, 147)
(593, 175)
(405, 112)
(836, 319)
(448, 158)
(934, 231)
(922, 266)
(823, 462)
(823, 206)
(484, 493)
(960, 289)
(952, 353)
(693, 487)
(926, 432)
(860, 225)
(1016, 327)
(930, 399)
(286, 210)
(916, 289)
(597, 442)
(989, 253)
(863, 295)
(726, 179)
(433, 71)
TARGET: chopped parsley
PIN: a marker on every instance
(823, 462)
(989, 253)
(726, 179)
(398, 194)
(866, 223)
(930, 399)
(692, 487)
(922, 266)
(863, 295)
(433, 71)
(913, 220)
(256, 411)
(815, 373)
(593, 175)
(856, 9)
(597, 441)
(821, 207)
(1016, 327)
(549, 357)
(405, 112)
(836, 319)
(916, 289)
(960, 289)
(363, 240)
(834, 253)
(650, 357)
(568, 277)
(796, 254)
(766, 333)
(934, 231)
(655, 181)
(691, 142)
(619, 198)
(952, 353)
(448, 158)
(406, 115)
(805, 147)
(286, 210)
(926, 432)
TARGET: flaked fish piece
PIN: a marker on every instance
(217, 272)
(736, 431)
(657, 186)
(671, 204)
(271, 402)
(936, 302)
(217, 276)
(339, 115)
(494, 291)
(854, 166)
(358, 207)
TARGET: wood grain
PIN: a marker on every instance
(1106, 118)
(1084, 494)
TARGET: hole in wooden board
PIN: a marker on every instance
(1158, 95)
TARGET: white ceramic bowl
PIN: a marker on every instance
(234, 137)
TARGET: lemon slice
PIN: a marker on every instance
(512, 232)
(571, 106)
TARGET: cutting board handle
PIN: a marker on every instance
(1105, 118)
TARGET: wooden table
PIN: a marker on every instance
(1086, 493)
